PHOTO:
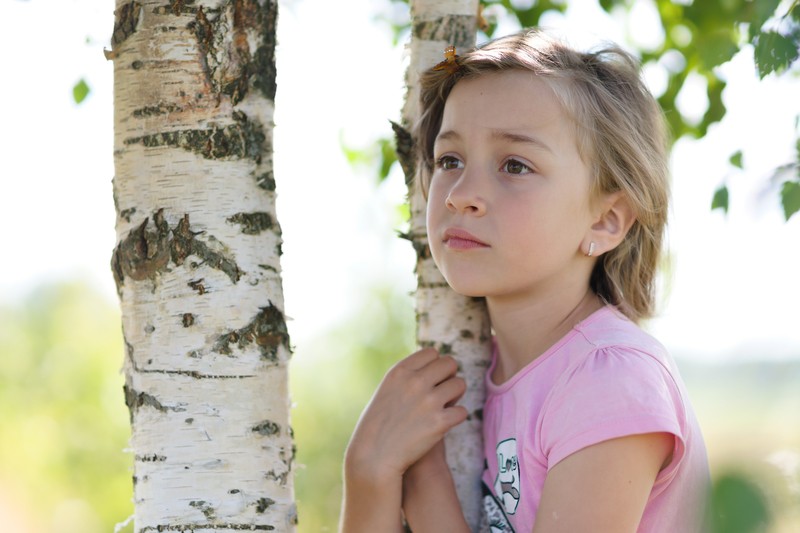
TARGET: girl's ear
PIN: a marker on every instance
(612, 224)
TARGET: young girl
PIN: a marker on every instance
(547, 186)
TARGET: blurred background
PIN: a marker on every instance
(731, 292)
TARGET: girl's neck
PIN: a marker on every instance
(526, 328)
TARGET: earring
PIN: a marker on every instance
(591, 249)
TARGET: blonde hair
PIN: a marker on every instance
(620, 132)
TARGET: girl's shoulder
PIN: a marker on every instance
(608, 328)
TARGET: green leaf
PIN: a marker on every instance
(80, 91)
(607, 5)
(736, 159)
(720, 200)
(738, 505)
(774, 52)
(790, 198)
(388, 158)
(716, 46)
(761, 11)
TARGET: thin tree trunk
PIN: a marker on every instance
(452, 323)
(197, 265)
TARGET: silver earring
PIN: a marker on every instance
(591, 249)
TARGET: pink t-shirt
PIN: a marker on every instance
(605, 379)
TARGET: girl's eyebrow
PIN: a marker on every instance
(520, 138)
(500, 135)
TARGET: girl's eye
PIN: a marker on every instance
(512, 166)
(448, 162)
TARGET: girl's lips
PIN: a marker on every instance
(459, 239)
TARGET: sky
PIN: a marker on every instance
(733, 289)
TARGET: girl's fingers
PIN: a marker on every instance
(420, 359)
(449, 391)
(453, 416)
(440, 369)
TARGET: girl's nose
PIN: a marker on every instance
(464, 197)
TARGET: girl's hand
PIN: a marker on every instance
(409, 413)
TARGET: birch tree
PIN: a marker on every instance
(197, 265)
(451, 323)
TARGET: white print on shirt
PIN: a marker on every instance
(506, 485)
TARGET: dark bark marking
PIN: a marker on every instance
(126, 19)
(187, 320)
(264, 71)
(252, 223)
(198, 286)
(262, 504)
(136, 400)
(213, 259)
(466, 334)
(127, 213)
(222, 38)
(267, 330)
(144, 254)
(406, 153)
(205, 508)
(176, 7)
(180, 6)
(245, 138)
(280, 478)
(191, 528)
(267, 428)
(153, 458)
(266, 181)
(155, 110)
(458, 30)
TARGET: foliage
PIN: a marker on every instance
(65, 424)
(80, 91)
(331, 380)
(738, 505)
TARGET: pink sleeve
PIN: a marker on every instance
(614, 392)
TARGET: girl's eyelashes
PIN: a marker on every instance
(515, 166)
(449, 162)
(510, 166)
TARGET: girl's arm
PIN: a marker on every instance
(408, 414)
(603, 488)
(430, 501)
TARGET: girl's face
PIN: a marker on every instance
(509, 210)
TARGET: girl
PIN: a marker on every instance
(547, 186)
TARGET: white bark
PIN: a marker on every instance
(450, 322)
(197, 266)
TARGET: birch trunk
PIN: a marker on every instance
(197, 265)
(452, 323)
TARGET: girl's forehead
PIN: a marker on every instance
(512, 100)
